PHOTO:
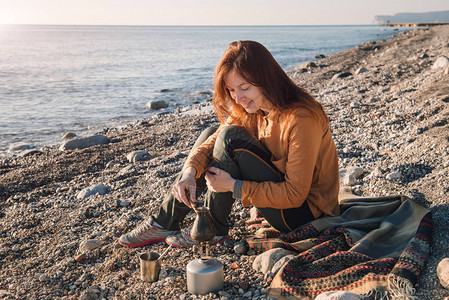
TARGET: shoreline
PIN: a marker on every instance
(389, 118)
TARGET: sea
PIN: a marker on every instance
(81, 79)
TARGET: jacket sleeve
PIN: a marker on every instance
(304, 142)
(201, 157)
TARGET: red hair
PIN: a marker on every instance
(254, 63)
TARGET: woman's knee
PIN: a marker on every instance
(231, 132)
(203, 136)
(208, 132)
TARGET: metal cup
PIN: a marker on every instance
(150, 266)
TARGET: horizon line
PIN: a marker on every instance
(185, 25)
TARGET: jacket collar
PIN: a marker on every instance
(274, 115)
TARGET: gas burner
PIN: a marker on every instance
(204, 274)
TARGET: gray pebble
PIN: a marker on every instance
(239, 249)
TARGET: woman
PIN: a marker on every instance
(273, 150)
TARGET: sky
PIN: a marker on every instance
(207, 12)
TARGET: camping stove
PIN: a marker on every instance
(204, 274)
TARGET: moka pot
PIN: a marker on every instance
(204, 275)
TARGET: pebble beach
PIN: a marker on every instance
(62, 210)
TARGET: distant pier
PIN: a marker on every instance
(412, 24)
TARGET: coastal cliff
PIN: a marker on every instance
(388, 107)
(428, 17)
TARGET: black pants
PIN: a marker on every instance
(239, 153)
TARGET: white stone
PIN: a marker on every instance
(338, 295)
(253, 213)
(157, 104)
(280, 263)
(89, 245)
(71, 244)
(355, 104)
(441, 62)
(126, 170)
(443, 272)
(92, 190)
(335, 77)
(138, 156)
(361, 70)
(43, 278)
(393, 176)
(349, 179)
(356, 171)
(112, 164)
(264, 262)
(86, 142)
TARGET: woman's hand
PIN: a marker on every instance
(186, 187)
(219, 181)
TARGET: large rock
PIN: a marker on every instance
(85, 142)
(138, 156)
(443, 272)
(338, 295)
(19, 147)
(157, 104)
(92, 190)
(441, 62)
(264, 262)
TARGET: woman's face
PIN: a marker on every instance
(249, 96)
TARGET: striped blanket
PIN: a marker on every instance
(377, 247)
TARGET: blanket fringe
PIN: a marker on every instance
(377, 295)
(400, 288)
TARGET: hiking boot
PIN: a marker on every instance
(145, 234)
(184, 240)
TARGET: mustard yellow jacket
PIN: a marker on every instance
(302, 149)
